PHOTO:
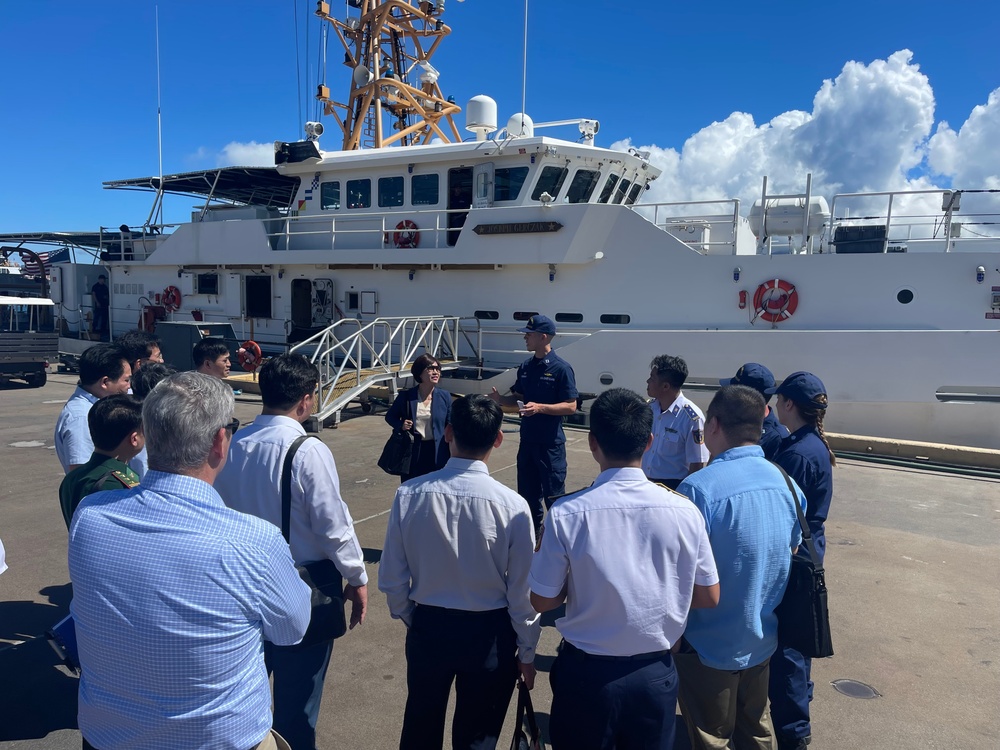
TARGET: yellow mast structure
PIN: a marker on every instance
(395, 97)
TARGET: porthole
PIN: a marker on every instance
(904, 296)
(616, 319)
(487, 314)
(569, 317)
(521, 315)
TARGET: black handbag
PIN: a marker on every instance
(398, 450)
(324, 580)
(803, 614)
(526, 734)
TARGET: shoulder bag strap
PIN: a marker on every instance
(286, 486)
(807, 539)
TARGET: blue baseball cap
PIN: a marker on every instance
(752, 374)
(802, 388)
(539, 324)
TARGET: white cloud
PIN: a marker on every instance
(869, 129)
(252, 154)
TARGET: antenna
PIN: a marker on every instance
(524, 64)
(159, 117)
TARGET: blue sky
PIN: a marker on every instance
(78, 89)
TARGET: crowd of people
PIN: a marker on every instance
(189, 538)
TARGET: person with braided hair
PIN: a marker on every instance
(806, 456)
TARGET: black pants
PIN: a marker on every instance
(603, 704)
(671, 483)
(476, 651)
(541, 475)
(423, 460)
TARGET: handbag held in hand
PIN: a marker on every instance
(324, 580)
(398, 451)
(803, 614)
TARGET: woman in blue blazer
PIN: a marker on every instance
(425, 410)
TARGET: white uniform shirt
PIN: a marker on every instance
(320, 526)
(459, 539)
(678, 440)
(72, 438)
(631, 553)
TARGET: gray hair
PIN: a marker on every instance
(181, 417)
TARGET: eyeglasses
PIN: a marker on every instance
(433, 367)
(233, 426)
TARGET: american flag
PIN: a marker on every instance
(31, 267)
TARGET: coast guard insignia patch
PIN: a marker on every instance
(699, 436)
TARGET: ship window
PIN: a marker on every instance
(622, 191)
(608, 188)
(583, 185)
(424, 190)
(353, 301)
(550, 181)
(329, 195)
(633, 194)
(390, 192)
(507, 183)
(524, 315)
(208, 283)
(615, 319)
(487, 315)
(569, 318)
(258, 296)
(359, 193)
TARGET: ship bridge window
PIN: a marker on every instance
(207, 283)
(390, 192)
(609, 188)
(359, 193)
(622, 191)
(487, 315)
(329, 195)
(507, 183)
(550, 181)
(633, 194)
(583, 185)
(424, 190)
(616, 319)
(524, 315)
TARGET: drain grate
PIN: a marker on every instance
(855, 689)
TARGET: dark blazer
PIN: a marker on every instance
(405, 407)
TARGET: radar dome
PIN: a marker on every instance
(520, 126)
(481, 116)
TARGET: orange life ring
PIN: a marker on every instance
(406, 234)
(776, 300)
(250, 356)
(171, 298)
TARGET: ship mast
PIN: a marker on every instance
(395, 97)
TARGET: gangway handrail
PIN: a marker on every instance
(380, 350)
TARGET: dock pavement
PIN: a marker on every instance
(913, 568)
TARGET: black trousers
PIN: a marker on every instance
(604, 704)
(541, 476)
(423, 460)
(476, 651)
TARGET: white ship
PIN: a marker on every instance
(893, 299)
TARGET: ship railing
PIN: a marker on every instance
(126, 243)
(704, 230)
(353, 356)
(914, 220)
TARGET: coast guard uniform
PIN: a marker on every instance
(772, 433)
(628, 554)
(678, 441)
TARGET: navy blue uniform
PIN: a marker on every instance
(771, 435)
(805, 457)
(541, 456)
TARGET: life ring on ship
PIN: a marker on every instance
(776, 300)
(171, 299)
(406, 234)
(250, 356)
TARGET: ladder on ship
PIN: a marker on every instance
(352, 356)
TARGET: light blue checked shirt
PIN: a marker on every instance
(172, 593)
(72, 438)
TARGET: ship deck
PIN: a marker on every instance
(913, 569)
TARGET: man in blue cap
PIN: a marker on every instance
(544, 392)
(758, 377)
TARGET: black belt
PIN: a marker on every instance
(430, 608)
(568, 648)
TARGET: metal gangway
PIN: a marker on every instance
(352, 356)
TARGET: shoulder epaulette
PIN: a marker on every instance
(673, 492)
(122, 477)
(691, 411)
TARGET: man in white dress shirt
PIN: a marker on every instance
(320, 526)
(630, 559)
(104, 371)
(454, 569)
